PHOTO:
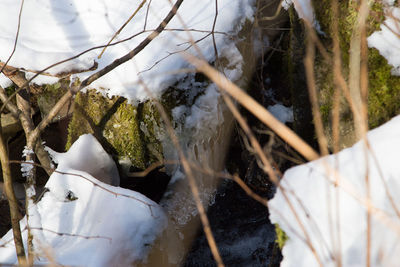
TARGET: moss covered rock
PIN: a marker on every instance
(384, 89)
(125, 131)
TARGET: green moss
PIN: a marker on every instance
(384, 93)
(384, 89)
(151, 128)
(48, 95)
(128, 131)
(10, 89)
(122, 130)
(281, 236)
(119, 126)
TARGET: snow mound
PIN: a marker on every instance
(52, 31)
(87, 155)
(334, 216)
(81, 221)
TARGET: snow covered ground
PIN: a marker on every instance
(56, 30)
(52, 31)
(334, 217)
(82, 221)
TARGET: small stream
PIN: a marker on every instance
(240, 224)
(242, 230)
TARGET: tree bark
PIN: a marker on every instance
(12, 200)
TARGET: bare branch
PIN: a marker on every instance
(192, 182)
(16, 36)
(312, 89)
(277, 12)
(73, 235)
(85, 178)
(134, 52)
(253, 106)
(122, 27)
(58, 75)
(23, 112)
(76, 88)
(12, 200)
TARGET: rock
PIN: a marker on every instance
(10, 125)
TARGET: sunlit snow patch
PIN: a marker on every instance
(84, 222)
(304, 10)
(91, 159)
(313, 194)
(387, 40)
(52, 31)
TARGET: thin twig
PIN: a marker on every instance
(337, 72)
(16, 36)
(277, 12)
(77, 87)
(309, 67)
(12, 200)
(132, 53)
(192, 182)
(72, 235)
(122, 27)
(254, 107)
(267, 168)
(85, 178)
(213, 34)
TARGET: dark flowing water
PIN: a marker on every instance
(243, 232)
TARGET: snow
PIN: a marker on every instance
(282, 113)
(73, 26)
(205, 124)
(303, 7)
(387, 40)
(203, 130)
(92, 159)
(4, 81)
(304, 10)
(56, 30)
(81, 221)
(331, 214)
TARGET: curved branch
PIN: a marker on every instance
(76, 88)
(133, 52)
